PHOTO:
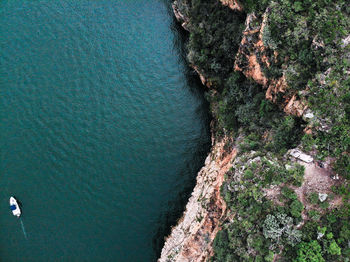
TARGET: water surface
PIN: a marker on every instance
(102, 129)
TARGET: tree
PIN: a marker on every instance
(280, 228)
(296, 208)
(334, 249)
(309, 252)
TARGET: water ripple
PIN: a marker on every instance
(101, 135)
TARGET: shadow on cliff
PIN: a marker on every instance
(176, 206)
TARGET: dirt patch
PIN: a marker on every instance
(273, 193)
(317, 178)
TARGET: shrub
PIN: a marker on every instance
(289, 193)
(313, 198)
(279, 228)
(286, 134)
(309, 252)
(334, 249)
(297, 175)
(314, 215)
(269, 257)
(296, 208)
(324, 204)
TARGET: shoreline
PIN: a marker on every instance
(191, 239)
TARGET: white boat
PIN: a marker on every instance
(16, 211)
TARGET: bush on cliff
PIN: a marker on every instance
(214, 39)
(306, 36)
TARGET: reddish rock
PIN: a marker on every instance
(233, 4)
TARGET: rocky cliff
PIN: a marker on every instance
(292, 173)
(191, 239)
(233, 4)
(253, 56)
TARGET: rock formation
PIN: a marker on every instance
(191, 239)
(233, 4)
(251, 59)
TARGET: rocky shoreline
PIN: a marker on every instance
(191, 239)
(193, 236)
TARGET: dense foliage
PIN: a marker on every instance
(307, 36)
(214, 39)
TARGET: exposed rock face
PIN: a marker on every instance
(295, 107)
(296, 153)
(233, 4)
(345, 41)
(180, 16)
(191, 239)
(204, 81)
(251, 45)
(253, 56)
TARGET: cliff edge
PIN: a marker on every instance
(191, 239)
(276, 184)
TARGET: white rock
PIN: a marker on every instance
(309, 115)
(288, 167)
(345, 41)
(336, 177)
(319, 235)
(257, 159)
(271, 162)
(322, 197)
(301, 156)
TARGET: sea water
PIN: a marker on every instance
(102, 129)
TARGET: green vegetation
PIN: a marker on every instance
(313, 198)
(303, 41)
(259, 227)
(309, 252)
(303, 33)
(214, 39)
(296, 208)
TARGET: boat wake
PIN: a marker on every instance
(23, 229)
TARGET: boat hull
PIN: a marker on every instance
(16, 211)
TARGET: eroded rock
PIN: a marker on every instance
(296, 153)
(233, 4)
(192, 238)
(322, 197)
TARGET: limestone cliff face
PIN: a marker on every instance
(191, 239)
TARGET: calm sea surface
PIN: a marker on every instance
(102, 129)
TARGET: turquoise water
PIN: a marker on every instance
(103, 129)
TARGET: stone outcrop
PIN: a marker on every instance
(253, 56)
(204, 81)
(296, 153)
(181, 17)
(250, 49)
(191, 239)
(233, 4)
